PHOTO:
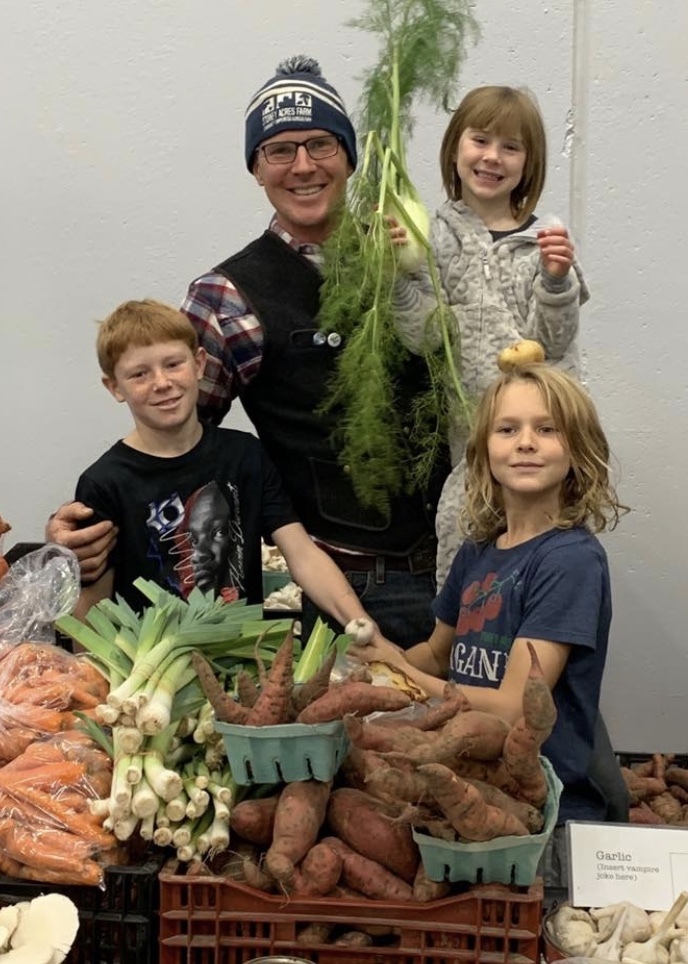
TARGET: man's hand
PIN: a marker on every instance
(91, 545)
(556, 251)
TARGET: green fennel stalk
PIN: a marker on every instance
(391, 444)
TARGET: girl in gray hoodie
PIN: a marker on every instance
(507, 274)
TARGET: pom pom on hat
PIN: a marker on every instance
(297, 98)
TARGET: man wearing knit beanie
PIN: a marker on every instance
(256, 317)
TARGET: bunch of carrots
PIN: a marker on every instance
(47, 830)
(41, 688)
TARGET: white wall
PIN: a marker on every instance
(122, 176)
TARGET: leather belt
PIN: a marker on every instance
(420, 561)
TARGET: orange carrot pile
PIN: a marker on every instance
(47, 830)
(40, 688)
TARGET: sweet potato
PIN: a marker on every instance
(314, 933)
(530, 816)
(354, 939)
(367, 876)
(473, 733)
(274, 699)
(318, 873)
(254, 820)
(525, 738)
(677, 775)
(299, 815)
(225, 707)
(368, 735)
(247, 691)
(642, 788)
(371, 827)
(357, 766)
(454, 701)
(643, 814)
(392, 783)
(315, 687)
(359, 698)
(425, 890)
(256, 876)
(465, 808)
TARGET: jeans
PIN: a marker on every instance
(399, 604)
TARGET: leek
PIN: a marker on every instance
(388, 449)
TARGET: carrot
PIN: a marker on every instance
(51, 849)
(371, 827)
(52, 810)
(226, 709)
(272, 705)
(299, 815)
(254, 820)
(360, 698)
(367, 876)
(465, 808)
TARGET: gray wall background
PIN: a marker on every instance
(122, 176)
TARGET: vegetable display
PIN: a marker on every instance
(388, 448)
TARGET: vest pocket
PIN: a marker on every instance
(337, 500)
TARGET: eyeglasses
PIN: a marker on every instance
(284, 152)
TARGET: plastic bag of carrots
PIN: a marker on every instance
(47, 830)
(37, 589)
(41, 688)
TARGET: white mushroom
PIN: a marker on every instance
(36, 951)
(55, 919)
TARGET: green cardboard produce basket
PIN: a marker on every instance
(504, 860)
(284, 753)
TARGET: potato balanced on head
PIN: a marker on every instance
(521, 353)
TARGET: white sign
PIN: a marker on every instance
(611, 862)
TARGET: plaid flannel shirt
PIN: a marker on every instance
(230, 333)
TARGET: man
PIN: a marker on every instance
(256, 317)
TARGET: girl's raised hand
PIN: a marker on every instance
(556, 251)
(398, 234)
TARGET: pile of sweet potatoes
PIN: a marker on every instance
(277, 700)
(658, 788)
(446, 770)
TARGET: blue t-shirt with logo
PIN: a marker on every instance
(554, 587)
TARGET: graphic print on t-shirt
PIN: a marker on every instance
(480, 651)
(199, 542)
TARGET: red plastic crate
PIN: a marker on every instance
(215, 920)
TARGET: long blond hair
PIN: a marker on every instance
(587, 496)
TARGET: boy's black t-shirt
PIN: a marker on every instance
(192, 520)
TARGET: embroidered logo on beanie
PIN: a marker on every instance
(297, 98)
